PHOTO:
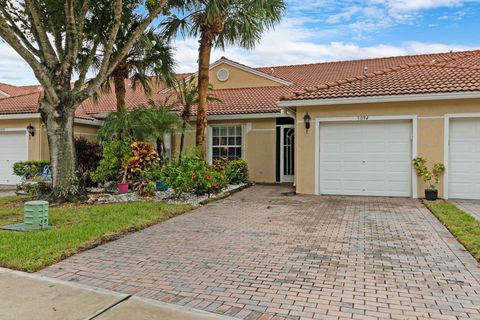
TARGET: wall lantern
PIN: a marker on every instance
(31, 130)
(307, 119)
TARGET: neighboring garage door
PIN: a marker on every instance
(13, 148)
(368, 158)
(464, 159)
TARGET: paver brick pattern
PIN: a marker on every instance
(470, 206)
(263, 254)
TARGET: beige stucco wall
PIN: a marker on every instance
(430, 131)
(38, 144)
(259, 146)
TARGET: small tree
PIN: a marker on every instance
(431, 178)
(50, 36)
(158, 121)
(220, 23)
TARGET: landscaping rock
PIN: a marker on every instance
(99, 195)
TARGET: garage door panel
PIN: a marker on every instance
(464, 159)
(369, 158)
(13, 148)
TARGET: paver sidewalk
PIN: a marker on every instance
(30, 297)
(471, 207)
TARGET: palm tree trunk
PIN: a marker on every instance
(119, 76)
(182, 141)
(203, 81)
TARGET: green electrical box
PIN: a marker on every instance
(35, 215)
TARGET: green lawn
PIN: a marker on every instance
(462, 225)
(74, 228)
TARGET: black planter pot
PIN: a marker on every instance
(431, 195)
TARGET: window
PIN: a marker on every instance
(227, 142)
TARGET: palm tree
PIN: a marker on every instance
(150, 58)
(186, 91)
(219, 23)
(158, 120)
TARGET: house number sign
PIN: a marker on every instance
(362, 118)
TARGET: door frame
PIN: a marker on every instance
(365, 118)
(282, 152)
(446, 145)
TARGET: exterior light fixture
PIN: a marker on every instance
(307, 119)
(31, 130)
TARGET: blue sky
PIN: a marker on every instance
(326, 30)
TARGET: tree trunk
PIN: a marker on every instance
(203, 81)
(182, 141)
(59, 127)
(160, 147)
(119, 76)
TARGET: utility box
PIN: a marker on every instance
(35, 215)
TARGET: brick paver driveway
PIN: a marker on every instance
(262, 253)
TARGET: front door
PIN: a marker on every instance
(287, 158)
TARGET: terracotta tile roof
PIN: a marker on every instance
(311, 76)
(460, 73)
(12, 90)
(28, 103)
(319, 73)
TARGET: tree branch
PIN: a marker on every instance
(42, 74)
(18, 32)
(108, 66)
(46, 48)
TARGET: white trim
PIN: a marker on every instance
(413, 118)
(20, 116)
(37, 116)
(210, 138)
(282, 162)
(446, 145)
(379, 99)
(89, 122)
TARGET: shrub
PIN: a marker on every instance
(29, 169)
(237, 171)
(89, 155)
(432, 178)
(114, 156)
(193, 175)
(144, 156)
(41, 187)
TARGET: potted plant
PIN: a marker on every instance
(123, 185)
(431, 178)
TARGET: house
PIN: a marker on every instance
(366, 119)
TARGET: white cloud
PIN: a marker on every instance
(13, 69)
(294, 44)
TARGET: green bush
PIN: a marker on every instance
(29, 168)
(237, 171)
(115, 154)
(89, 155)
(193, 175)
(36, 189)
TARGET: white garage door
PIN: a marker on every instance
(371, 158)
(13, 148)
(464, 159)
